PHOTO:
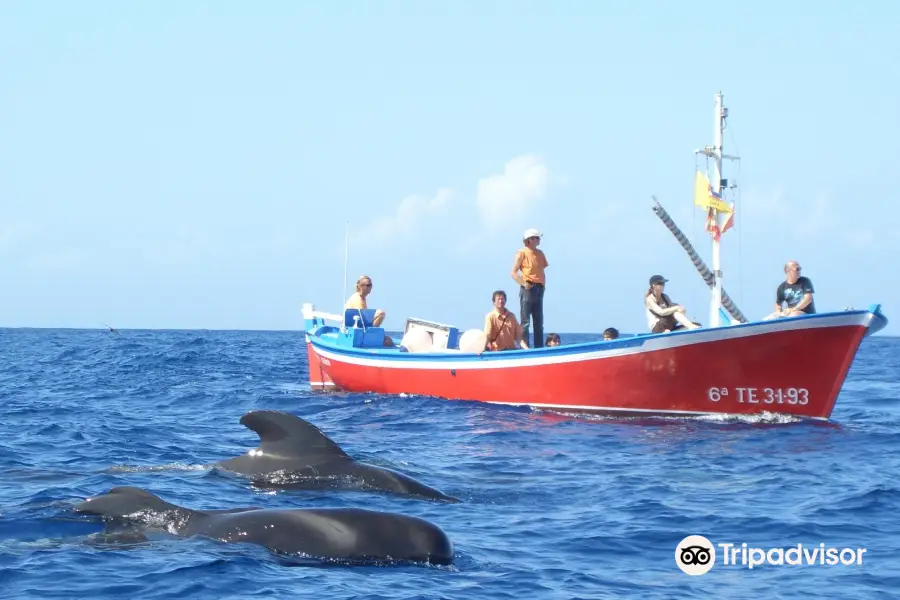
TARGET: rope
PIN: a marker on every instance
(707, 275)
(740, 229)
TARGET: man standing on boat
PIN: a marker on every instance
(531, 262)
(795, 293)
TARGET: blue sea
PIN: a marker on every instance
(552, 506)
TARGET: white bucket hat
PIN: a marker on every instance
(531, 233)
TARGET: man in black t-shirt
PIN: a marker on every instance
(795, 293)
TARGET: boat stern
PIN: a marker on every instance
(353, 329)
(314, 323)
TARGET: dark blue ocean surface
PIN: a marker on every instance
(552, 506)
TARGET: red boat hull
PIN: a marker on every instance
(318, 378)
(796, 366)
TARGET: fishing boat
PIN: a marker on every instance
(732, 366)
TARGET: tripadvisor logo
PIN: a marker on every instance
(696, 555)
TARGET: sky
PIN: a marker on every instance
(196, 165)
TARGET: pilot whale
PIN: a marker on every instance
(331, 533)
(294, 453)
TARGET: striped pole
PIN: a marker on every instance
(698, 262)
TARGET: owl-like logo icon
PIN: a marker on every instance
(695, 555)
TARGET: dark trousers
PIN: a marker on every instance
(532, 305)
(666, 323)
(669, 322)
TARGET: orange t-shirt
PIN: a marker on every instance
(502, 330)
(533, 264)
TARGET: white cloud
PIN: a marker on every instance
(411, 215)
(522, 184)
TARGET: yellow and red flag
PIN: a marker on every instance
(714, 203)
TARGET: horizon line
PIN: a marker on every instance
(303, 331)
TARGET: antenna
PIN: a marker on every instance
(346, 257)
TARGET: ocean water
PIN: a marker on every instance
(552, 506)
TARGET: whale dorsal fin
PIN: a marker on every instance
(123, 501)
(138, 497)
(283, 435)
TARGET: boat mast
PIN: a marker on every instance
(717, 183)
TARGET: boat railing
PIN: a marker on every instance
(310, 312)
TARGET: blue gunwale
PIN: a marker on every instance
(634, 341)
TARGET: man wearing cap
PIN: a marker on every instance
(531, 262)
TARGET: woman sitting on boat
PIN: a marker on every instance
(663, 315)
(358, 300)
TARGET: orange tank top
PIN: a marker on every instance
(533, 264)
